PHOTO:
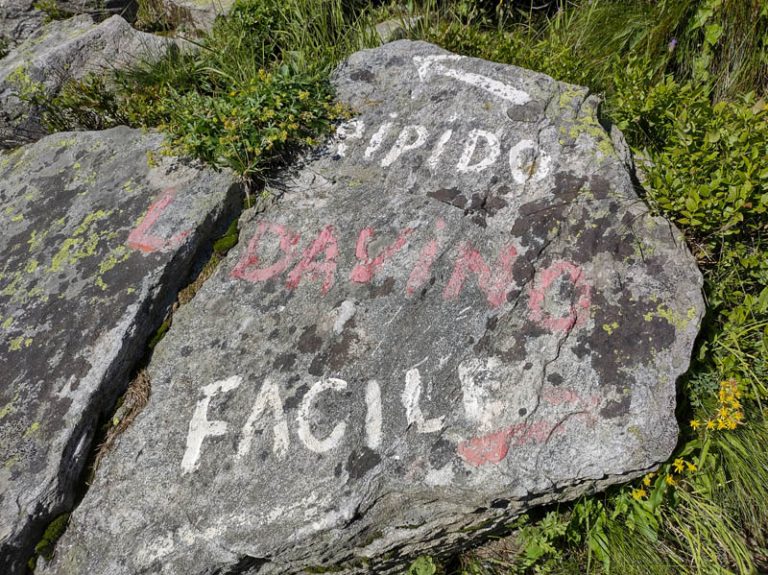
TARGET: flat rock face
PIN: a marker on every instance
(58, 52)
(18, 20)
(95, 245)
(456, 310)
(196, 16)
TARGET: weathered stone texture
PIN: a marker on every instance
(95, 245)
(18, 20)
(58, 52)
(456, 310)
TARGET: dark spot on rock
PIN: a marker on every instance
(186, 351)
(616, 344)
(618, 408)
(499, 503)
(442, 452)
(386, 288)
(555, 379)
(339, 353)
(522, 411)
(450, 196)
(338, 469)
(284, 361)
(490, 323)
(309, 341)
(292, 330)
(361, 462)
(394, 61)
(363, 76)
(529, 112)
(318, 365)
(293, 401)
(528, 365)
(274, 334)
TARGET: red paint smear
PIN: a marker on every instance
(140, 238)
(247, 268)
(325, 243)
(559, 396)
(494, 283)
(364, 272)
(576, 315)
(493, 448)
(423, 269)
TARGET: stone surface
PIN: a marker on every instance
(396, 28)
(18, 20)
(195, 16)
(458, 309)
(60, 51)
(95, 245)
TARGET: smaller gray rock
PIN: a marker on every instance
(58, 52)
(99, 232)
(396, 28)
(18, 20)
(196, 16)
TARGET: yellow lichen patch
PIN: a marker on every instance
(16, 343)
(115, 257)
(610, 328)
(31, 266)
(32, 430)
(11, 462)
(672, 318)
(83, 242)
(8, 323)
(8, 407)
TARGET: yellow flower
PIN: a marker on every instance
(679, 465)
(695, 424)
(690, 466)
(638, 494)
(670, 480)
(647, 479)
(710, 424)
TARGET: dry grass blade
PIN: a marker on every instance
(134, 400)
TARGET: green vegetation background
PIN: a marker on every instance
(685, 80)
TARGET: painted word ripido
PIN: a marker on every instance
(480, 148)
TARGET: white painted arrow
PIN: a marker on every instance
(504, 91)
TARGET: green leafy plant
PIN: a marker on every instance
(422, 566)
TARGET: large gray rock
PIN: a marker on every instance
(60, 51)
(459, 309)
(95, 245)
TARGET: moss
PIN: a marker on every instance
(160, 333)
(51, 535)
(228, 240)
